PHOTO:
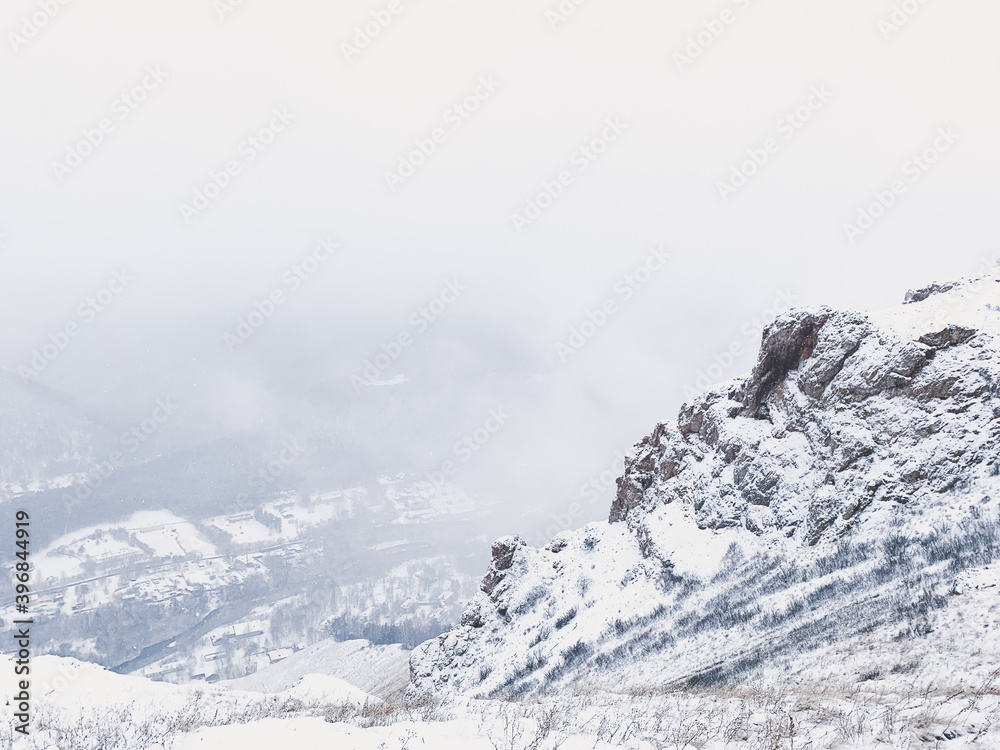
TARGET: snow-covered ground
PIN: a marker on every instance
(383, 671)
(142, 536)
(79, 706)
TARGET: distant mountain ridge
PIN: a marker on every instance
(838, 493)
(44, 435)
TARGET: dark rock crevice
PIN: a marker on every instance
(786, 343)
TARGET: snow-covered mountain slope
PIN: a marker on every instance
(46, 439)
(382, 671)
(839, 494)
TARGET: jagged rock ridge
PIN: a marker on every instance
(853, 436)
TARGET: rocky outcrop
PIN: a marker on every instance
(838, 413)
(919, 295)
(851, 433)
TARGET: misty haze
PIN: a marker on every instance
(522, 375)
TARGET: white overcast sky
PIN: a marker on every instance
(656, 185)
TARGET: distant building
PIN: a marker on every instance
(279, 654)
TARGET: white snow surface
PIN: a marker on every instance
(77, 706)
(971, 303)
(378, 670)
(164, 532)
(322, 688)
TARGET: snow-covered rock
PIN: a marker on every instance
(836, 490)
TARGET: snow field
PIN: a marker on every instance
(85, 707)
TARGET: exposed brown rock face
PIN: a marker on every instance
(787, 342)
(919, 295)
(503, 558)
(950, 336)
